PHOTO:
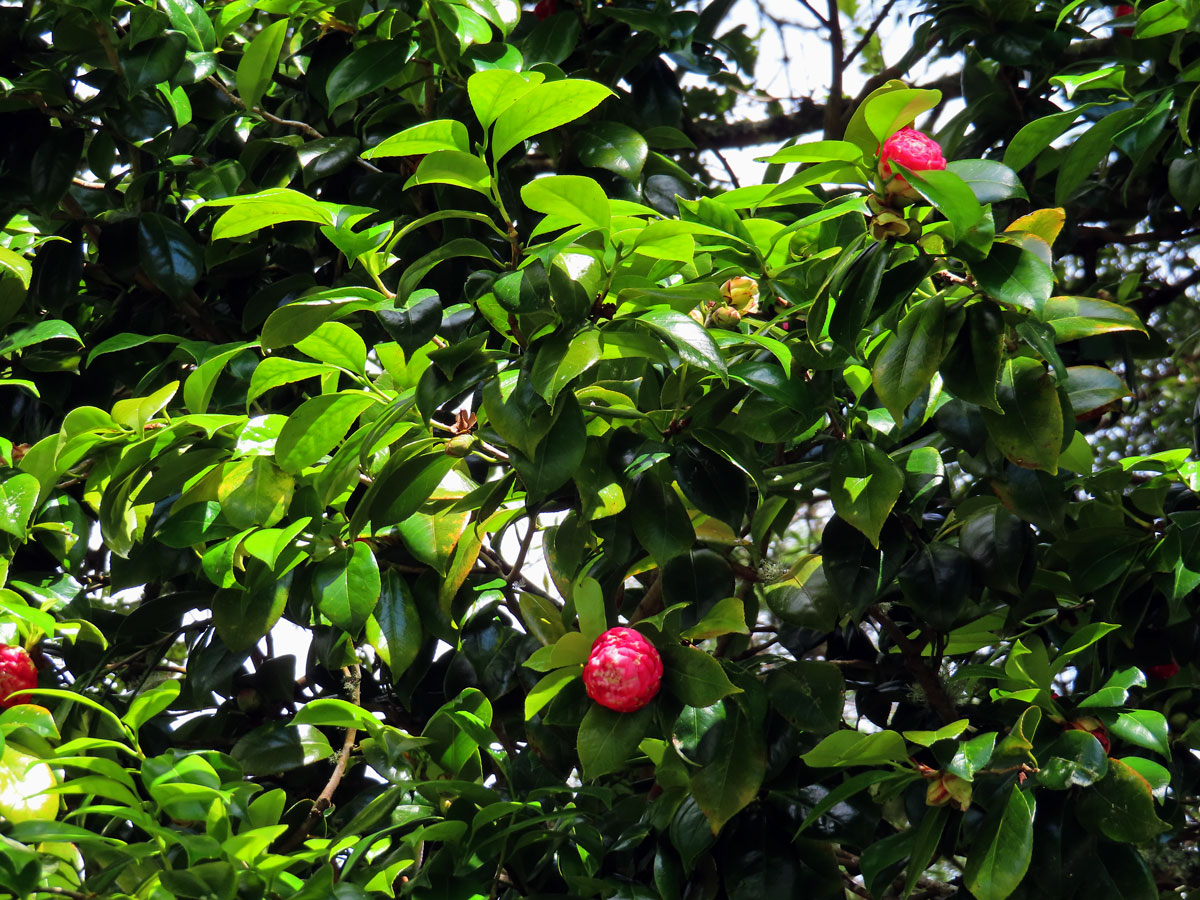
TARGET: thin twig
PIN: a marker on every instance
(866, 38)
(833, 109)
(935, 691)
(353, 677)
(302, 127)
(820, 18)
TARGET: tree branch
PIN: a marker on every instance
(935, 691)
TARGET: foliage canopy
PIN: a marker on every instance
(346, 320)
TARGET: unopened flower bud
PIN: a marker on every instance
(741, 293)
(725, 316)
(460, 445)
(913, 150)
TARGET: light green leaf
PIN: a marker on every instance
(257, 66)
(543, 107)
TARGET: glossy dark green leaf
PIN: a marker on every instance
(1076, 758)
(864, 485)
(910, 358)
(810, 695)
(1015, 276)
(168, 255)
(694, 676)
(399, 623)
(990, 180)
(1029, 431)
(366, 69)
(154, 61)
(660, 521)
(856, 299)
(1143, 728)
(346, 586)
(256, 69)
(1121, 805)
(726, 785)
(607, 739)
(558, 455)
(613, 146)
(971, 368)
(189, 18)
(276, 747)
(1000, 855)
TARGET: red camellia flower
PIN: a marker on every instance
(623, 671)
(1164, 670)
(914, 151)
(545, 9)
(17, 673)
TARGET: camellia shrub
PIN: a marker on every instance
(419, 480)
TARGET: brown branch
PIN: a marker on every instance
(935, 691)
(651, 603)
(837, 67)
(353, 677)
(302, 127)
(874, 26)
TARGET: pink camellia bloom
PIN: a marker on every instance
(545, 9)
(914, 151)
(17, 673)
(623, 671)
(1164, 670)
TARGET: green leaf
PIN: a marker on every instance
(728, 784)
(1093, 387)
(1073, 318)
(948, 193)
(347, 587)
(695, 677)
(1000, 855)
(1087, 151)
(189, 18)
(366, 69)
(149, 703)
(910, 358)
(810, 695)
(1030, 429)
(45, 330)
(1016, 276)
(169, 256)
(1144, 728)
(589, 607)
(276, 747)
(575, 199)
(428, 137)
(608, 738)
(295, 321)
(660, 521)
(728, 616)
(18, 265)
(254, 491)
(945, 733)
(455, 168)
(991, 181)
(1075, 759)
(688, 337)
(864, 485)
(18, 499)
(492, 91)
(971, 368)
(256, 69)
(1114, 691)
(856, 748)
(398, 622)
(1037, 135)
(613, 146)
(276, 371)
(886, 111)
(543, 107)
(250, 212)
(1121, 805)
(154, 61)
(562, 359)
(548, 687)
(971, 756)
(815, 152)
(317, 426)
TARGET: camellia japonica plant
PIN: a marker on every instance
(420, 480)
